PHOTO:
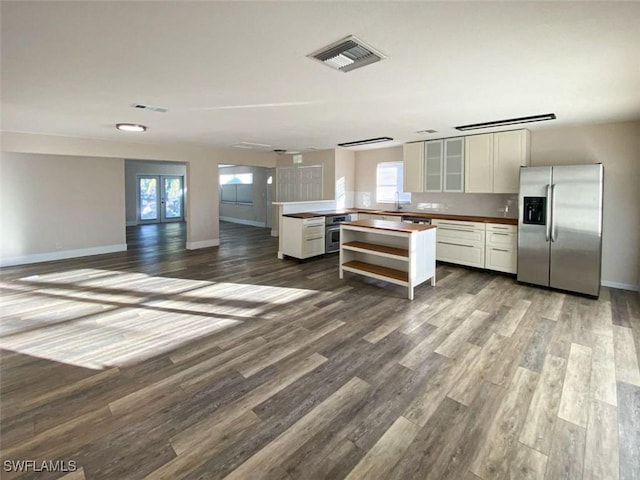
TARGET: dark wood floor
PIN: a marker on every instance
(228, 363)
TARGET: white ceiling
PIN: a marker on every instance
(232, 72)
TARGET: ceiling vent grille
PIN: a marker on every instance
(153, 108)
(347, 54)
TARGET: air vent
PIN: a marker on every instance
(424, 132)
(347, 54)
(149, 107)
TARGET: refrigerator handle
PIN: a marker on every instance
(554, 237)
(548, 229)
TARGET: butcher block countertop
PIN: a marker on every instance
(441, 216)
(324, 213)
(436, 216)
(388, 225)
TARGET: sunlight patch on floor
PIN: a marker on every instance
(100, 318)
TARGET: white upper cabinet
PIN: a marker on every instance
(454, 165)
(413, 157)
(510, 152)
(434, 154)
(478, 167)
(493, 160)
(444, 165)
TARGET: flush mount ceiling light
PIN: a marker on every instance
(131, 127)
(510, 121)
(347, 54)
(365, 142)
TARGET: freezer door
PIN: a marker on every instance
(576, 233)
(533, 246)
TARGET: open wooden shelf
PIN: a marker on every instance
(373, 248)
(394, 252)
(378, 271)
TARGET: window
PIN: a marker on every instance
(236, 188)
(389, 183)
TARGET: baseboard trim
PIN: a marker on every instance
(242, 221)
(621, 286)
(274, 232)
(132, 224)
(203, 244)
(61, 255)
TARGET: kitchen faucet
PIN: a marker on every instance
(398, 206)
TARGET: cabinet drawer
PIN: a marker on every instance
(308, 222)
(459, 224)
(500, 239)
(312, 247)
(496, 227)
(459, 235)
(314, 231)
(463, 254)
(501, 259)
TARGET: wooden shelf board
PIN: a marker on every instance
(384, 273)
(403, 253)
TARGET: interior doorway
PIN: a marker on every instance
(160, 198)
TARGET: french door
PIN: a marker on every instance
(160, 198)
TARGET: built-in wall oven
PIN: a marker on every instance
(332, 232)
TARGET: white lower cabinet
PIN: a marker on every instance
(303, 237)
(501, 248)
(460, 242)
(492, 246)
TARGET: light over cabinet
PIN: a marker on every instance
(413, 168)
(493, 161)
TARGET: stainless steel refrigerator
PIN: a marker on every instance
(560, 227)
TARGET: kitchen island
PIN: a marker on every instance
(395, 252)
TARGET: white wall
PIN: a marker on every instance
(255, 214)
(202, 170)
(345, 178)
(57, 206)
(133, 168)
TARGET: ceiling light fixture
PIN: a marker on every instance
(347, 54)
(510, 121)
(365, 142)
(131, 127)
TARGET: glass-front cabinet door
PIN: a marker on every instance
(454, 165)
(433, 165)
